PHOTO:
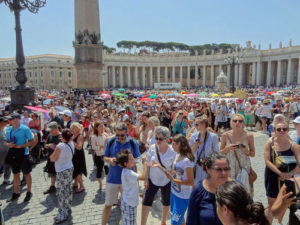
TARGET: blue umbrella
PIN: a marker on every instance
(47, 101)
(171, 94)
(121, 89)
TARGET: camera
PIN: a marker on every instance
(200, 162)
(290, 187)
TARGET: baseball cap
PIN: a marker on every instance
(297, 120)
(3, 119)
(52, 125)
(14, 116)
(121, 110)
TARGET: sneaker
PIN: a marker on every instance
(28, 197)
(7, 182)
(52, 189)
(13, 197)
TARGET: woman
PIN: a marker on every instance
(78, 159)
(179, 123)
(295, 134)
(153, 122)
(278, 146)
(131, 129)
(35, 122)
(162, 153)
(238, 146)
(142, 130)
(235, 206)
(265, 114)
(203, 143)
(182, 178)
(62, 157)
(98, 143)
(202, 203)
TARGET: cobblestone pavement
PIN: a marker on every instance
(87, 207)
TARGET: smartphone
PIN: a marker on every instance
(197, 140)
(290, 187)
(242, 146)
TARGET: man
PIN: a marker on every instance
(53, 139)
(55, 118)
(214, 108)
(67, 117)
(122, 114)
(4, 150)
(114, 145)
(18, 138)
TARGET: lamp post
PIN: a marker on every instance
(21, 95)
(233, 60)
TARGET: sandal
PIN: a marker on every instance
(79, 190)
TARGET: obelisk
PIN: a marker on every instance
(87, 44)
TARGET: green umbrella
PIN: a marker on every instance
(203, 94)
(152, 96)
(119, 94)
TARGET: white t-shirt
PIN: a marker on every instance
(266, 111)
(98, 144)
(150, 141)
(130, 187)
(157, 176)
(181, 191)
(25, 121)
(64, 160)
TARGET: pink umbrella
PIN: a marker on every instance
(146, 100)
(36, 108)
(106, 96)
(192, 95)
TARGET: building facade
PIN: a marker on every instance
(271, 67)
(44, 72)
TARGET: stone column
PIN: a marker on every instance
(196, 76)
(113, 76)
(128, 77)
(173, 74)
(258, 74)
(166, 74)
(289, 72)
(180, 75)
(121, 76)
(298, 76)
(253, 73)
(136, 76)
(143, 76)
(188, 76)
(158, 75)
(151, 77)
(241, 74)
(269, 73)
(204, 76)
(212, 76)
(236, 74)
(228, 75)
(105, 77)
(278, 75)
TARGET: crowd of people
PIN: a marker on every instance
(195, 151)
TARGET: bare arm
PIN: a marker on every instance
(79, 144)
(251, 145)
(55, 155)
(296, 151)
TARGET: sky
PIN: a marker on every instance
(193, 22)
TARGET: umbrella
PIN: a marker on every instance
(51, 96)
(183, 92)
(119, 94)
(47, 101)
(214, 95)
(192, 95)
(105, 96)
(203, 94)
(152, 96)
(228, 95)
(270, 92)
(43, 93)
(171, 94)
(137, 95)
(35, 108)
(165, 92)
(121, 89)
(146, 96)
(146, 100)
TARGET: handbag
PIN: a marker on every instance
(283, 163)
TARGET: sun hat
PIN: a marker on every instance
(297, 120)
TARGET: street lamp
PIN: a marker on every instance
(233, 60)
(22, 95)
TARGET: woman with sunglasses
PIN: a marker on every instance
(163, 154)
(279, 145)
(235, 206)
(203, 143)
(202, 204)
(238, 146)
(180, 123)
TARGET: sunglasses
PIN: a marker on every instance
(235, 121)
(219, 170)
(159, 139)
(180, 113)
(120, 135)
(282, 129)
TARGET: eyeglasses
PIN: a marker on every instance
(197, 124)
(180, 113)
(159, 139)
(282, 129)
(120, 135)
(219, 170)
(240, 121)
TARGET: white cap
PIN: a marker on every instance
(297, 120)
(67, 113)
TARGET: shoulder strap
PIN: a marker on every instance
(111, 142)
(131, 143)
(158, 156)
(204, 143)
(234, 152)
(70, 149)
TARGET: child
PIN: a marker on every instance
(129, 178)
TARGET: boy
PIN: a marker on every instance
(130, 187)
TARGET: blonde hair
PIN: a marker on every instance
(237, 115)
(78, 126)
(154, 120)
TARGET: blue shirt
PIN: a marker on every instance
(202, 207)
(19, 136)
(114, 175)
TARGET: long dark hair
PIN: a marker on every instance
(184, 148)
(233, 195)
(66, 134)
